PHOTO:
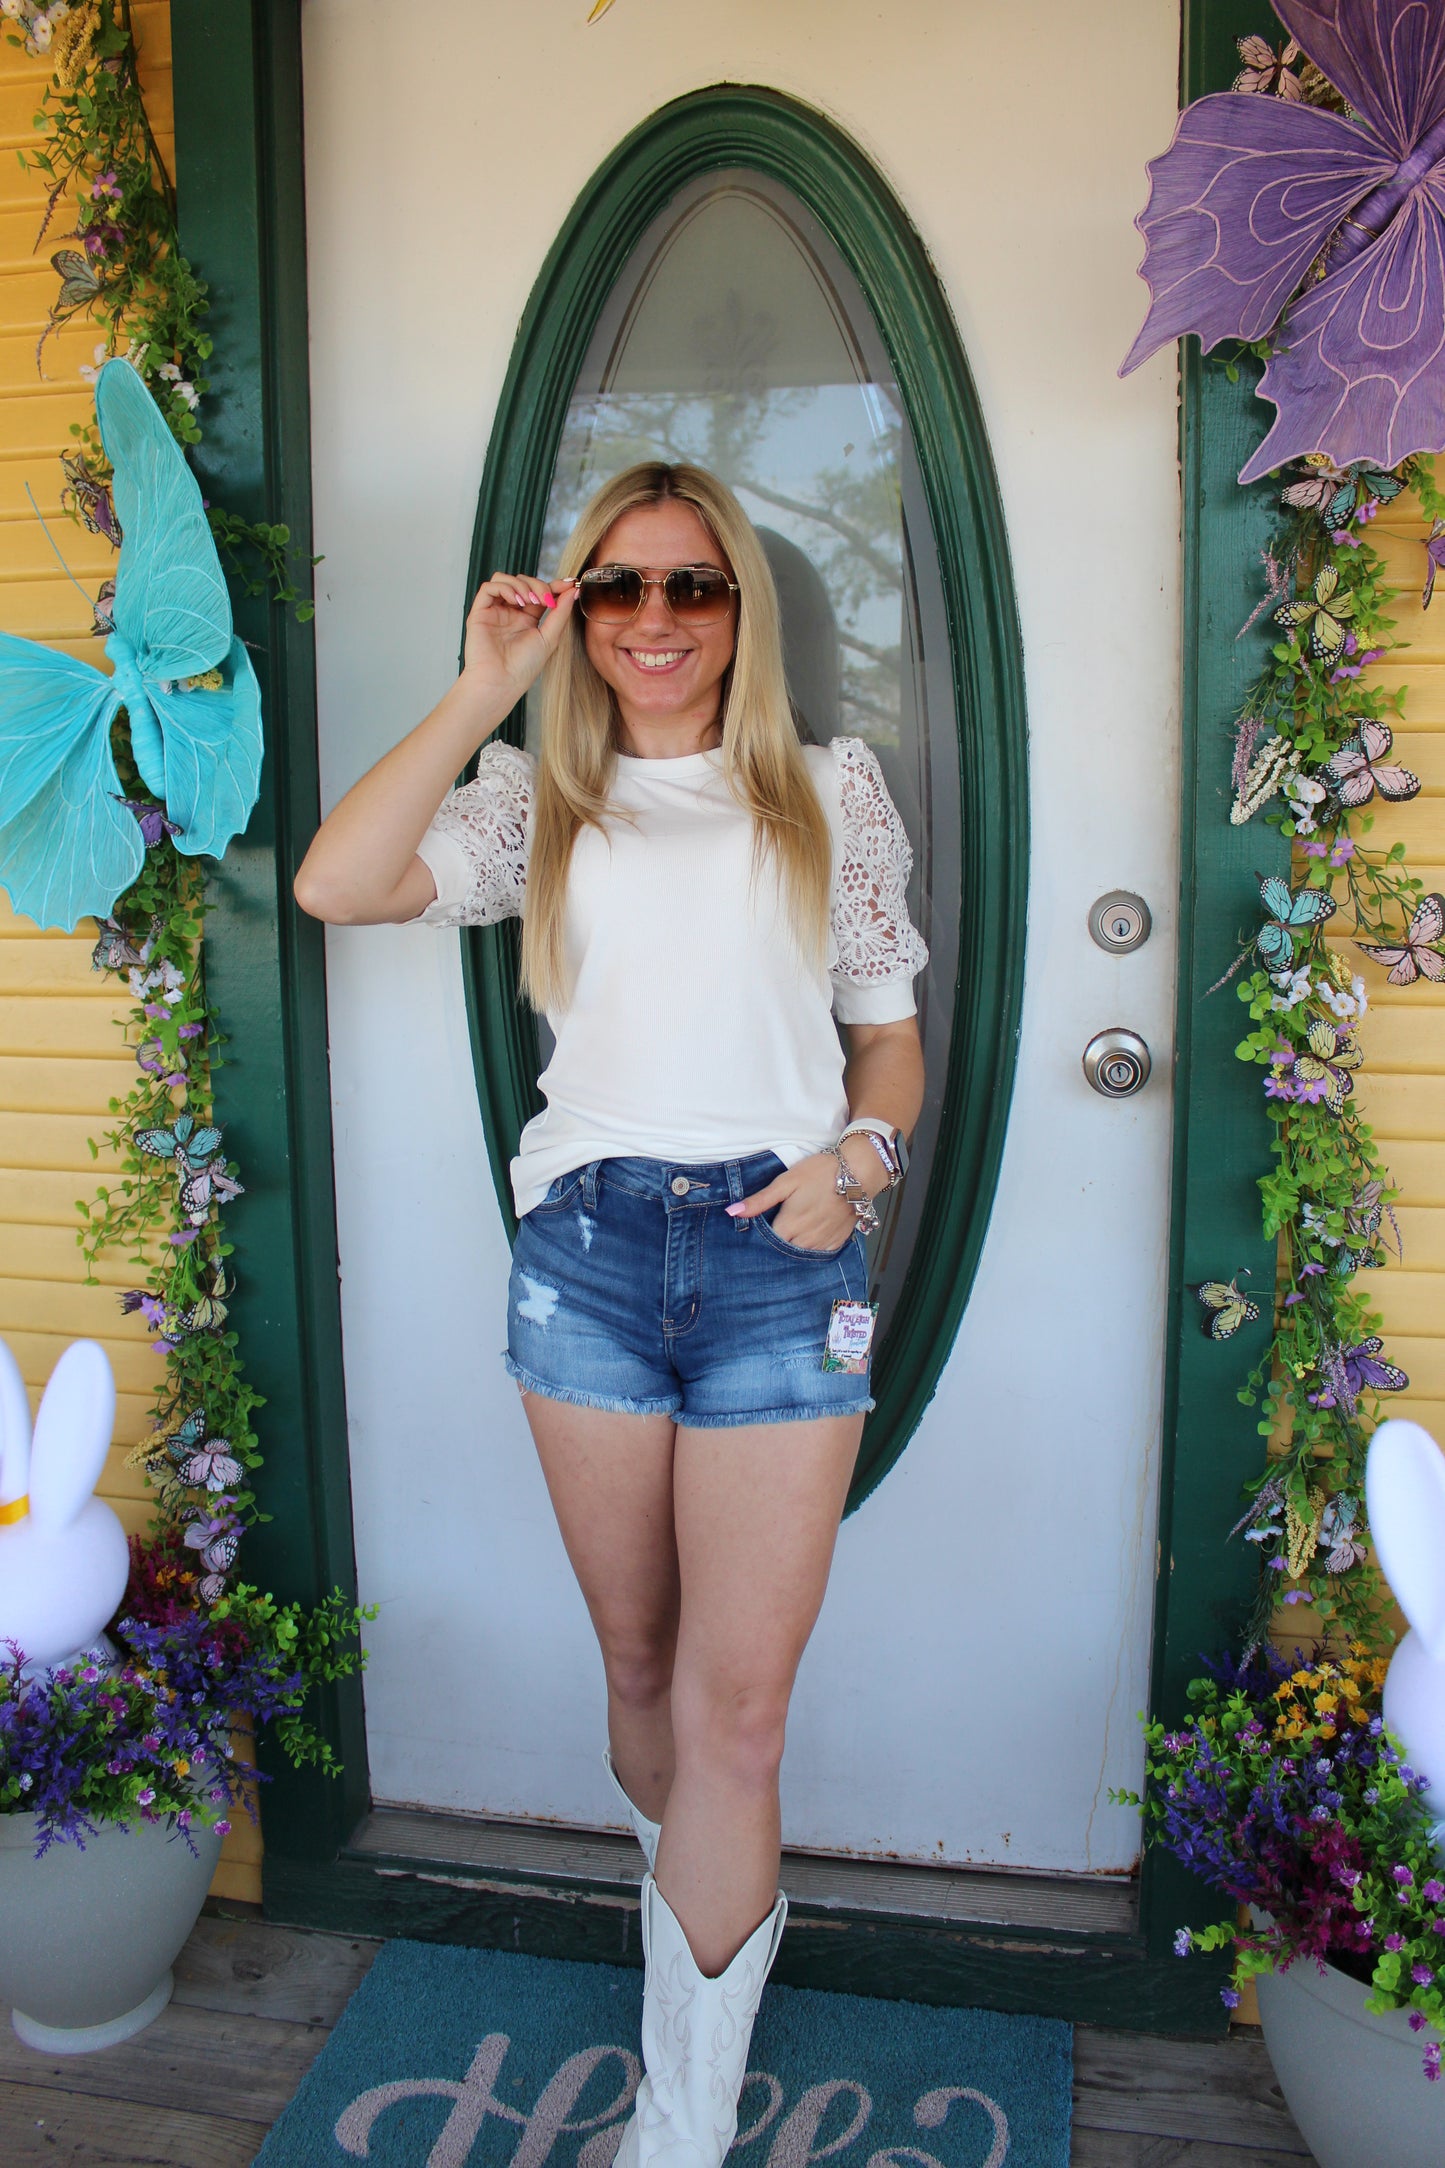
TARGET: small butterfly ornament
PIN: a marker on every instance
(116, 950)
(205, 1462)
(1291, 912)
(1417, 956)
(1333, 491)
(1226, 1308)
(1339, 1535)
(199, 1166)
(1360, 768)
(1325, 610)
(1324, 1068)
(218, 1542)
(89, 498)
(69, 844)
(1366, 1373)
(208, 1312)
(1434, 559)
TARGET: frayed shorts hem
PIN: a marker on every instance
(771, 1415)
(616, 1404)
(610, 1403)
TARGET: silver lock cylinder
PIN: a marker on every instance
(1120, 922)
(1116, 1062)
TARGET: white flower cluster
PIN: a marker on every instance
(38, 21)
(165, 980)
(183, 385)
(1304, 793)
(1293, 987)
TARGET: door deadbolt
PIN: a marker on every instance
(1116, 1062)
(1120, 921)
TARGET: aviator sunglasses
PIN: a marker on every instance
(695, 594)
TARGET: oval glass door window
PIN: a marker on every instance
(737, 337)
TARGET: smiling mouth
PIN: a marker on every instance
(656, 659)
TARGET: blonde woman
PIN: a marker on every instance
(702, 897)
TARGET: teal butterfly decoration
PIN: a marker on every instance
(68, 844)
(1290, 912)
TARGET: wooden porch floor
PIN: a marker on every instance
(253, 2004)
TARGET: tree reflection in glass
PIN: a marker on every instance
(736, 337)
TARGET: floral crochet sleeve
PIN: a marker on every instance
(476, 846)
(878, 947)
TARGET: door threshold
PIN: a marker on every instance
(466, 1848)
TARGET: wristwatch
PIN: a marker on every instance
(886, 1141)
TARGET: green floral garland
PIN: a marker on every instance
(1313, 753)
(129, 272)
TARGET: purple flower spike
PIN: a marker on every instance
(1433, 1890)
(1394, 1942)
(1421, 1975)
(1402, 1875)
(1229, 1996)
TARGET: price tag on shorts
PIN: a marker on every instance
(850, 1336)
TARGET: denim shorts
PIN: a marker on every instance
(633, 1290)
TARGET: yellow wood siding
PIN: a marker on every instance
(61, 1052)
(1401, 1090)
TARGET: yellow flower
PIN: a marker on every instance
(70, 47)
(183, 1768)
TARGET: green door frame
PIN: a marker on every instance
(729, 125)
(239, 152)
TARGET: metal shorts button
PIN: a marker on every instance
(680, 1185)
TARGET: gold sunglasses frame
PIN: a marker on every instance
(594, 574)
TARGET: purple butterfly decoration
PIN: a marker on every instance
(152, 818)
(1253, 190)
(1365, 1371)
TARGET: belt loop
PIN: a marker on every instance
(736, 1187)
(589, 1184)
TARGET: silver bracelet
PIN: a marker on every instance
(894, 1171)
(865, 1212)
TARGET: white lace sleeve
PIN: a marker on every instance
(476, 846)
(879, 949)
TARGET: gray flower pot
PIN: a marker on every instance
(1352, 2081)
(87, 1938)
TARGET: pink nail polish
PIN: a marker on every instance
(550, 601)
(733, 1210)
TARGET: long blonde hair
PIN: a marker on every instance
(762, 757)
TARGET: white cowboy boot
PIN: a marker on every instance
(647, 1832)
(695, 2038)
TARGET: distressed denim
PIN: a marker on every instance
(632, 1292)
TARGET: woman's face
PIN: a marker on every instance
(661, 671)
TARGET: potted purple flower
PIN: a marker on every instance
(118, 1780)
(1285, 1790)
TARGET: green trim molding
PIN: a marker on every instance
(1210, 1443)
(239, 187)
(734, 125)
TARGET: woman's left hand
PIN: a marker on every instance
(812, 1216)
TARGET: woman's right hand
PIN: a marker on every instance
(513, 626)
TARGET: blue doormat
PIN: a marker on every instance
(459, 2058)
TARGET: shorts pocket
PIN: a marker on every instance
(561, 1193)
(796, 1249)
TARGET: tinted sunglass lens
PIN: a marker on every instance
(697, 592)
(614, 598)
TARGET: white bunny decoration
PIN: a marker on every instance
(1405, 1499)
(63, 1554)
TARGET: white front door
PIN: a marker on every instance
(970, 1691)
